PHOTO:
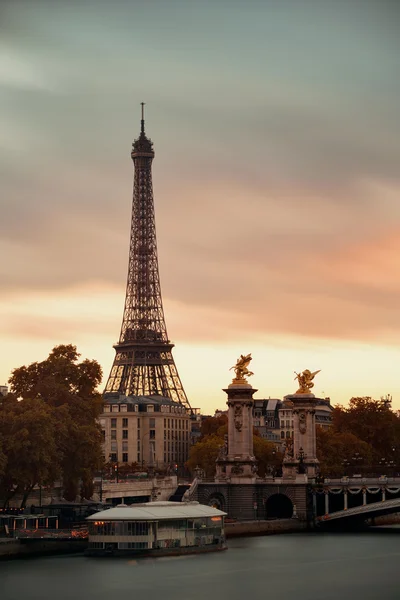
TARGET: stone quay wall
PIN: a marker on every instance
(245, 528)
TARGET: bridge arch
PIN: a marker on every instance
(278, 506)
(217, 500)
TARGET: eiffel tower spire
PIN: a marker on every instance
(143, 364)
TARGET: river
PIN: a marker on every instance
(304, 566)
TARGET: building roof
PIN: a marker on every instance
(156, 511)
(116, 398)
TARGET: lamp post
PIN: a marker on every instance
(357, 459)
(115, 466)
(346, 465)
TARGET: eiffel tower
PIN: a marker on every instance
(143, 364)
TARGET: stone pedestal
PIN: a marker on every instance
(303, 459)
(236, 461)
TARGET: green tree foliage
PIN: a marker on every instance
(373, 422)
(53, 427)
(367, 428)
(335, 451)
(28, 434)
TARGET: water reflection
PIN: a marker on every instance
(304, 566)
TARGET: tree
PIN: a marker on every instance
(3, 458)
(373, 422)
(211, 425)
(27, 430)
(204, 454)
(336, 450)
(269, 459)
(68, 389)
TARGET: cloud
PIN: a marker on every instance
(276, 170)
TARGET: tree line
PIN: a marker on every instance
(364, 437)
(48, 426)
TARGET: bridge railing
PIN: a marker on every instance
(355, 480)
(51, 534)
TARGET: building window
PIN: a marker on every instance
(282, 424)
(125, 457)
(125, 446)
(152, 422)
(125, 422)
(113, 446)
(288, 434)
(115, 408)
(138, 423)
(113, 457)
(165, 422)
(124, 408)
(106, 408)
(150, 408)
(103, 435)
(282, 435)
(152, 434)
(113, 434)
(124, 434)
(113, 422)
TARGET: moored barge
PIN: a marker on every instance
(156, 529)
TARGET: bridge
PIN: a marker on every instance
(367, 511)
(358, 498)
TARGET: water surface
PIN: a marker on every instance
(284, 567)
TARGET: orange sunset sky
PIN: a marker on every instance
(276, 128)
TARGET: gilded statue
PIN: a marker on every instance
(241, 368)
(305, 380)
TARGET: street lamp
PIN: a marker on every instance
(346, 465)
(115, 466)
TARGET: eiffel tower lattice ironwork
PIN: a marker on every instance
(143, 364)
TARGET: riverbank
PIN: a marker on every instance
(14, 548)
(248, 528)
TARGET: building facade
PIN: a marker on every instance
(323, 416)
(152, 431)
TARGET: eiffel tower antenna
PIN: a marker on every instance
(143, 363)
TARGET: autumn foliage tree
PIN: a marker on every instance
(48, 425)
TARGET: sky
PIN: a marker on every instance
(276, 127)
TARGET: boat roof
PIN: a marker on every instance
(156, 511)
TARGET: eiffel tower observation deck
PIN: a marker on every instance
(143, 364)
